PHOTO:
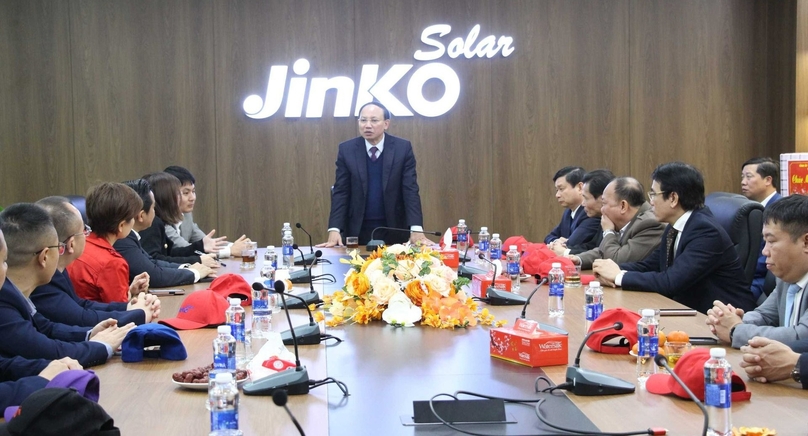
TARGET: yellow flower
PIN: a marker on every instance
(319, 316)
(335, 321)
(312, 307)
(357, 284)
(500, 323)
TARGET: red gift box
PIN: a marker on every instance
(450, 257)
(481, 282)
(526, 344)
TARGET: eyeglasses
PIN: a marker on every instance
(652, 194)
(373, 121)
(61, 248)
(86, 232)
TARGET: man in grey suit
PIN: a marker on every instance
(630, 229)
(783, 316)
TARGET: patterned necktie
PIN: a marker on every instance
(792, 291)
(373, 151)
(670, 244)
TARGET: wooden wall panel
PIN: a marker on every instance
(693, 87)
(566, 102)
(143, 92)
(36, 130)
(801, 91)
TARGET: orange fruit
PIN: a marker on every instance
(635, 348)
(660, 351)
(678, 336)
(662, 338)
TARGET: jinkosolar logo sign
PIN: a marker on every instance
(371, 86)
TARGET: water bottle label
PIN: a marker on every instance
(496, 254)
(593, 311)
(483, 245)
(719, 396)
(259, 304)
(237, 330)
(224, 420)
(557, 289)
(225, 360)
(274, 263)
(513, 268)
(649, 345)
(462, 237)
(287, 250)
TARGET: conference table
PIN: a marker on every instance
(387, 368)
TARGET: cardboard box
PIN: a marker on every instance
(481, 282)
(450, 256)
(526, 344)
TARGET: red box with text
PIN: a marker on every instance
(526, 344)
(451, 257)
(481, 282)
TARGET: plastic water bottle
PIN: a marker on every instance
(462, 237)
(483, 246)
(513, 268)
(556, 302)
(235, 319)
(261, 318)
(647, 331)
(286, 228)
(718, 393)
(223, 400)
(593, 306)
(270, 256)
(496, 248)
(287, 251)
(224, 356)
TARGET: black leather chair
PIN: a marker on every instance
(79, 202)
(742, 219)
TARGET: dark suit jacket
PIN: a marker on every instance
(58, 302)
(581, 231)
(36, 337)
(162, 274)
(760, 268)
(158, 246)
(402, 202)
(19, 379)
(706, 268)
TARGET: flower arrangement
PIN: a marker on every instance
(403, 284)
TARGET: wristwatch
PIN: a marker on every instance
(795, 373)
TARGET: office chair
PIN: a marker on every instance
(79, 202)
(742, 219)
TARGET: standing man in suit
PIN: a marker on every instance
(630, 229)
(575, 228)
(696, 262)
(759, 178)
(783, 316)
(375, 185)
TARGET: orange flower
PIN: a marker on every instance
(415, 292)
(357, 284)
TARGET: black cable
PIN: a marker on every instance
(328, 380)
(324, 337)
(327, 278)
(572, 430)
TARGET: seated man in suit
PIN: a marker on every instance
(594, 182)
(58, 301)
(187, 232)
(162, 274)
(33, 253)
(375, 185)
(630, 229)
(766, 360)
(696, 262)
(784, 315)
(575, 228)
(759, 182)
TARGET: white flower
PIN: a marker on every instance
(404, 270)
(438, 283)
(383, 289)
(396, 249)
(400, 310)
(337, 308)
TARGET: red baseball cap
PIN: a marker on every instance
(199, 309)
(535, 255)
(547, 265)
(690, 368)
(519, 241)
(233, 286)
(598, 341)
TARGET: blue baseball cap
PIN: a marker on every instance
(150, 335)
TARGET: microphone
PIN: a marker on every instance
(496, 297)
(589, 383)
(308, 258)
(465, 270)
(524, 308)
(279, 398)
(303, 276)
(295, 381)
(662, 361)
(373, 244)
(308, 334)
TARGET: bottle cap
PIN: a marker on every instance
(718, 352)
(223, 377)
(224, 329)
(495, 235)
(286, 225)
(235, 301)
(594, 284)
(556, 264)
(648, 312)
(271, 247)
(483, 229)
(462, 222)
(513, 247)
